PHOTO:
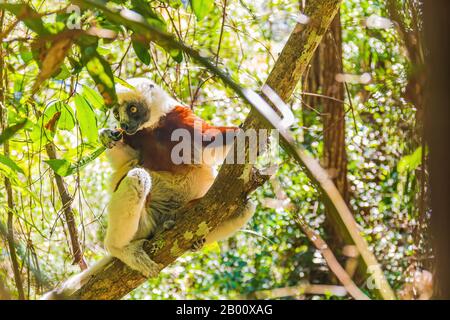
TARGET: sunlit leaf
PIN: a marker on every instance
(124, 83)
(26, 55)
(60, 166)
(410, 162)
(59, 115)
(64, 73)
(201, 8)
(11, 131)
(142, 51)
(10, 163)
(93, 97)
(65, 168)
(87, 159)
(86, 119)
(150, 15)
(177, 55)
(100, 71)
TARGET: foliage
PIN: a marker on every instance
(59, 89)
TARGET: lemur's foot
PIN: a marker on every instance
(198, 244)
(109, 137)
(154, 247)
(140, 180)
(168, 224)
(141, 262)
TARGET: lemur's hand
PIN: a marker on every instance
(109, 137)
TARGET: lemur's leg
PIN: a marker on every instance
(227, 228)
(124, 212)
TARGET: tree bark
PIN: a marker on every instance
(334, 158)
(437, 23)
(327, 63)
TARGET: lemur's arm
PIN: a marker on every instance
(121, 156)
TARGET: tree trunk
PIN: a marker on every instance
(327, 63)
(334, 158)
(437, 23)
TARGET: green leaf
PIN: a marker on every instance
(26, 56)
(40, 136)
(11, 131)
(60, 166)
(101, 73)
(93, 97)
(416, 159)
(62, 114)
(141, 51)
(10, 163)
(124, 83)
(87, 159)
(63, 74)
(201, 8)
(176, 55)
(86, 119)
(65, 168)
(411, 162)
(151, 16)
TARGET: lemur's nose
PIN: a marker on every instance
(124, 126)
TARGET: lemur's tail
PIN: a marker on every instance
(75, 282)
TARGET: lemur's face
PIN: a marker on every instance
(141, 106)
(131, 115)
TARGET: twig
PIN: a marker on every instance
(331, 260)
(224, 15)
(67, 200)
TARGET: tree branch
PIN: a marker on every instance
(331, 260)
(67, 200)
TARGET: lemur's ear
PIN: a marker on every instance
(145, 86)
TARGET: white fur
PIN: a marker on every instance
(145, 90)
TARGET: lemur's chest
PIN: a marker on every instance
(171, 183)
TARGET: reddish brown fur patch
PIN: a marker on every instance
(155, 145)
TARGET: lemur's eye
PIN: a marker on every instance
(133, 109)
(116, 114)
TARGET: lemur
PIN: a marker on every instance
(148, 185)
